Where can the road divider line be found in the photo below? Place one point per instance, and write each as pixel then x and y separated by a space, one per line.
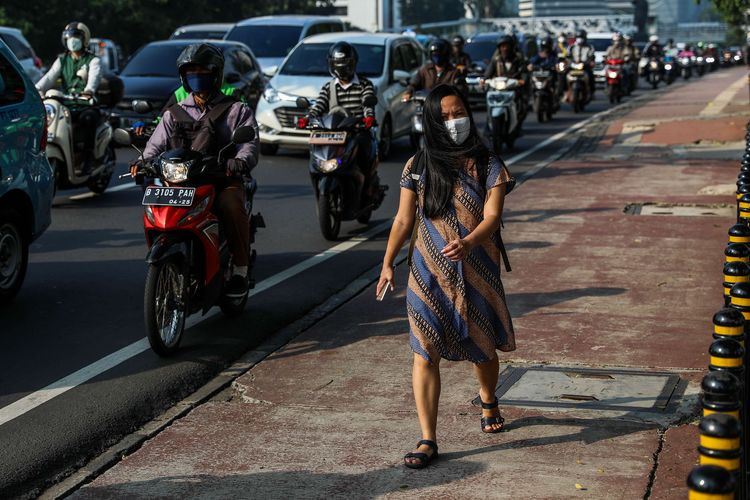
pixel 37 398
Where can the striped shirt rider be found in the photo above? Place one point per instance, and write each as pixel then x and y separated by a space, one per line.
pixel 349 96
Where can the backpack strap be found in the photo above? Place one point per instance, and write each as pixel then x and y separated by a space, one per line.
pixel 180 114
pixel 220 107
pixel 416 174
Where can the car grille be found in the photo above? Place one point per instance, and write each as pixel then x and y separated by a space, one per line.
pixel 288 116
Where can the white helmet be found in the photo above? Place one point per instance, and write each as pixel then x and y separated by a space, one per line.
pixel 76 29
pixel 653 38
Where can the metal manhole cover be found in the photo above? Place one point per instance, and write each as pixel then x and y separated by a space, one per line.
pixel 586 388
pixel 681 210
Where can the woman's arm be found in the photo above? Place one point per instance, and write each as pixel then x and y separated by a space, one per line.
pixel 493 211
pixel 401 230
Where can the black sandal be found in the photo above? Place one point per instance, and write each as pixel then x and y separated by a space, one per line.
pixel 486 421
pixel 424 458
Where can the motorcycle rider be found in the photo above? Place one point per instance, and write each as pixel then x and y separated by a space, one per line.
pixel 80 72
pixel 631 49
pixel 349 90
pixel 508 63
pixel 671 49
pixel 438 70
pixel 582 52
pixel 460 59
pixel 653 49
pixel 617 50
pixel 562 46
pixel 546 59
pixel 204 121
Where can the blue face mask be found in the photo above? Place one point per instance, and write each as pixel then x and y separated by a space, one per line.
pixel 436 59
pixel 200 82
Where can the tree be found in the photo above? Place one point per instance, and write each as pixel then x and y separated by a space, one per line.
pixel 733 11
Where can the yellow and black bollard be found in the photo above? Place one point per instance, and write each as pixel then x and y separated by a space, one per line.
pixel 737 252
pixel 740 233
pixel 730 323
pixel 734 272
pixel 744 208
pixel 721 394
pixel 710 482
pixel 720 445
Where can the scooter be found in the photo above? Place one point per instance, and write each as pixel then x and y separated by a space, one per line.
pixel 652 71
pixel 700 65
pixel 615 85
pixel 578 86
pixel 503 121
pixel 545 100
pixel 416 136
pixel 686 67
pixel 341 190
pixel 188 259
pixel 670 69
pixel 67 158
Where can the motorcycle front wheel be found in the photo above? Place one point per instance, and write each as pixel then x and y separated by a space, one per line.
pixel 165 306
pixel 577 104
pixel 329 214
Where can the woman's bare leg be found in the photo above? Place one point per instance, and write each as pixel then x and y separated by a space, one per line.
pixel 487 374
pixel 426 384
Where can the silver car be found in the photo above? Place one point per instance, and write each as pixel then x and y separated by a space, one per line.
pixel 388 60
pixel 21 48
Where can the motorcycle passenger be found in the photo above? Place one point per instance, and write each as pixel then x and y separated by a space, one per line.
pixel 631 49
pixel 653 49
pixel 617 50
pixel 562 46
pixel 204 122
pixel 80 72
pixel 438 70
pixel 349 90
pixel 460 59
pixel 507 62
pixel 582 52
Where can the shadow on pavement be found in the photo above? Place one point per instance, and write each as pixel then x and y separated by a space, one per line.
pixel 521 304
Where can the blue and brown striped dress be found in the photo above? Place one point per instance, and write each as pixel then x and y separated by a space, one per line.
pixel 457 310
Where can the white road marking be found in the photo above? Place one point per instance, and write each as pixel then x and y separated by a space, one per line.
pixel 31 401
pixel 85 196
pixel 86 373
pixel 716 106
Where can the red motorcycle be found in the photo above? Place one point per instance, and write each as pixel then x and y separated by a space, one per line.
pixel 188 259
pixel 614 72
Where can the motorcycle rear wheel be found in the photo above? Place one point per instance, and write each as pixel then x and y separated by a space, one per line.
pixel 165 306
pixel 100 183
pixel 329 214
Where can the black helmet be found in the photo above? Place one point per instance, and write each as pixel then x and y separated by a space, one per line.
pixel 458 40
pixel 342 60
pixel 546 43
pixel 205 55
pixel 440 51
pixel 581 34
pixel 506 39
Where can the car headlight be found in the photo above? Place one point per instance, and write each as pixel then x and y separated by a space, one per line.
pixel 51 113
pixel 175 172
pixel 328 166
pixel 272 95
pixel 195 210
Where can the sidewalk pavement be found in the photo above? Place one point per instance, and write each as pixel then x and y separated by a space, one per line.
pixel 331 414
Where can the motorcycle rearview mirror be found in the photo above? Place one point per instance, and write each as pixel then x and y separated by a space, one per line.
pixel 303 103
pixel 243 135
pixel 370 101
pixel 141 107
pixel 122 137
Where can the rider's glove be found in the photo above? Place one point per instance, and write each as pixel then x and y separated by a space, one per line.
pixel 302 121
pixel 236 167
pixel 369 121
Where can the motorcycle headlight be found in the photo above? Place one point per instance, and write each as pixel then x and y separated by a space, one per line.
pixel 611 74
pixel 668 67
pixel 51 113
pixel 175 172
pixel 561 66
pixel 578 65
pixel 653 64
pixel 710 60
pixel 539 84
pixel 272 95
pixel 195 210
pixel 327 166
pixel 700 59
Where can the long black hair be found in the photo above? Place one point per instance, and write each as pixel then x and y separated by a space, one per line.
pixel 444 158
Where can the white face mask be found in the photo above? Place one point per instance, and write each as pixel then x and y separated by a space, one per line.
pixel 458 129
pixel 579 41
pixel 74 44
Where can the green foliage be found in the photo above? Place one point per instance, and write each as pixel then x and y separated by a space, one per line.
pixel 430 11
pixel 733 11
pixel 132 23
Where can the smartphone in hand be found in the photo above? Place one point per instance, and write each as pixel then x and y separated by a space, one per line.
pixel 387 286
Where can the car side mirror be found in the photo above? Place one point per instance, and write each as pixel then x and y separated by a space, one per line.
pixel 141 107
pixel 232 77
pixel 370 101
pixel 122 137
pixel 243 135
pixel 401 77
pixel 270 71
pixel 303 103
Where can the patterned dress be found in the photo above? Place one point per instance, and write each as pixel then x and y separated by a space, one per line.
pixel 457 310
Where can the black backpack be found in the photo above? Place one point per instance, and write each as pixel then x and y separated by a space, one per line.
pixel 418 167
pixel 199 135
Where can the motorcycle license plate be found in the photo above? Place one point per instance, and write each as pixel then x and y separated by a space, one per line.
pixel 328 138
pixel 169 196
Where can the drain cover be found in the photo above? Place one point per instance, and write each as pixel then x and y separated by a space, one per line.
pixel 586 388
pixel 681 210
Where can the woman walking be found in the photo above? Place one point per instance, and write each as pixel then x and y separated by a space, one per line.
pixel 455 299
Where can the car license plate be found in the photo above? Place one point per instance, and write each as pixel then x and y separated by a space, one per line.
pixel 331 138
pixel 169 196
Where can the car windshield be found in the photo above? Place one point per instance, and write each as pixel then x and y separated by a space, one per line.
pixel 481 50
pixel 267 41
pixel 600 44
pixel 154 60
pixel 200 35
pixel 311 59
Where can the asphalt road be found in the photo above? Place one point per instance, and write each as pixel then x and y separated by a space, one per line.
pixel 82 300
